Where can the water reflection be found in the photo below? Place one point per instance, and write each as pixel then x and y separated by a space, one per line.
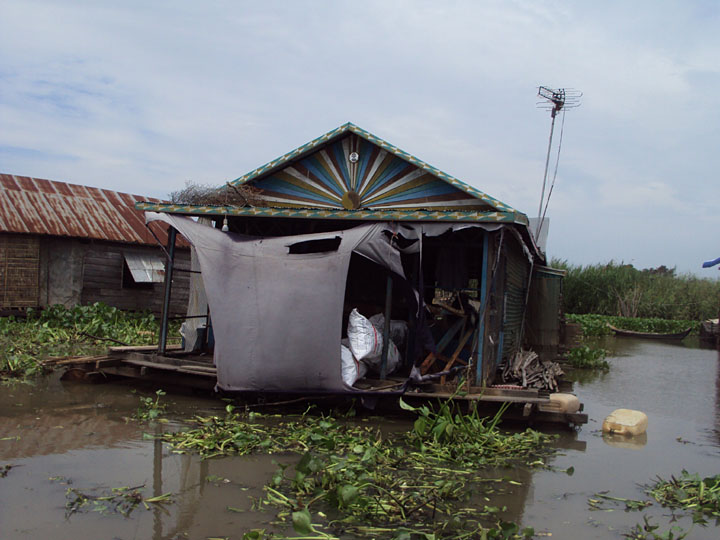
pixel 78 433
pixel 623 441
pixel 678 386
pixel 585 376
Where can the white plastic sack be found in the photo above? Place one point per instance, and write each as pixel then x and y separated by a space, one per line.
pixel 398 329
pixel 352 370
pixel 393 360
pixel 365 340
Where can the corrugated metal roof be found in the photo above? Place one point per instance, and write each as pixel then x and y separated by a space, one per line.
pixel 45 207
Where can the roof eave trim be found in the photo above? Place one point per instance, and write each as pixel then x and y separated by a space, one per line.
pixel 318 213
pixel 299 152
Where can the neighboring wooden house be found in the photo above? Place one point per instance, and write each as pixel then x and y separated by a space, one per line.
pixel 280 289
pixel 69 244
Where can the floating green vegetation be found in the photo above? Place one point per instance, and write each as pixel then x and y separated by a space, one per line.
pixel 419 484
pixel 601 500
pixel 586 357
pixel 597 325
pixel 448 435
pixel 150 408
pixel 689 492
pixel 58 331
pixel 648 531
pixel 242 434
pixel 118 500
pixel 699 496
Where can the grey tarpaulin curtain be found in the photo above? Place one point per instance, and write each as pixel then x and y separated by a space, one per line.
pixel 197 300
pixel 277 317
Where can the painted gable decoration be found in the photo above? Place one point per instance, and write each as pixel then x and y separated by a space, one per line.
pixel 349 168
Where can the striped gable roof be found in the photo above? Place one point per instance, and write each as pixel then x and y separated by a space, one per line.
pixel 349 168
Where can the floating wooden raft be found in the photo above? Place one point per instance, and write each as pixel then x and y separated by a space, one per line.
pixel 143 363
pixel 188 370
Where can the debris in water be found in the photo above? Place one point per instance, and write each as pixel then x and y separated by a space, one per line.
pixel 122 500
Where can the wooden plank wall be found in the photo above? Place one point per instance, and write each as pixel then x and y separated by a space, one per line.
pixel 19 270
pixel 103 279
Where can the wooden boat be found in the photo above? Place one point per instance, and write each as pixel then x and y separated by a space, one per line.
pixel 650 335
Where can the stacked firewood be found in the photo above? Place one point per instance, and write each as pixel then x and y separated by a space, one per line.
pixel 527 370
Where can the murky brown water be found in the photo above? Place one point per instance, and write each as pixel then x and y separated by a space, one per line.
pixel 54 433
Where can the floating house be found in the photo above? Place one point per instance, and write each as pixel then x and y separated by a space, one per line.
pixel 68 244
pixel 348 228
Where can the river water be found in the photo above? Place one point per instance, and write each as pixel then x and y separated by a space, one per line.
pixel 58 435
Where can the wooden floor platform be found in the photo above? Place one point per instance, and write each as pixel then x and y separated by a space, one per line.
pixel 196 371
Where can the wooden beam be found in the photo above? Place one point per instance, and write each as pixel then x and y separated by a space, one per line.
pixel 483 302
pixel 457 352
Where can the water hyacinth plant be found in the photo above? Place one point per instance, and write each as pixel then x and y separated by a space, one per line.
pixel 649 531
pixel 597 325
pixel 417 484
pixel 151 408
pixel 57 331
pixel 701 496
pixel 586 357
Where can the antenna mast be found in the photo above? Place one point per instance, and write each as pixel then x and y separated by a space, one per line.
pixel 554 101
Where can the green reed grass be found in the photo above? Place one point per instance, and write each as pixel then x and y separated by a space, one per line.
pixel 621 289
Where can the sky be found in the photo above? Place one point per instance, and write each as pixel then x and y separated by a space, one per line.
pixel 143 97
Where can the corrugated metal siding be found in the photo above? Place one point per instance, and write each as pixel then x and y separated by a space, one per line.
pixel 494 317
pixel 543 316
pixel 515 282
pixel 44 207
pixel 146 268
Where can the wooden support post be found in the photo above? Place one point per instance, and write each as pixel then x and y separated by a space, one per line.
pixel 483 300
pixel 169 263
pixel 386 329
pixel 501 337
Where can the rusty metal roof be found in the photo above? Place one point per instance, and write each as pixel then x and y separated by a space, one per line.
pixel 35 206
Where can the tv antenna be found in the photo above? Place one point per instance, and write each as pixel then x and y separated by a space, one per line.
pixel 554 100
